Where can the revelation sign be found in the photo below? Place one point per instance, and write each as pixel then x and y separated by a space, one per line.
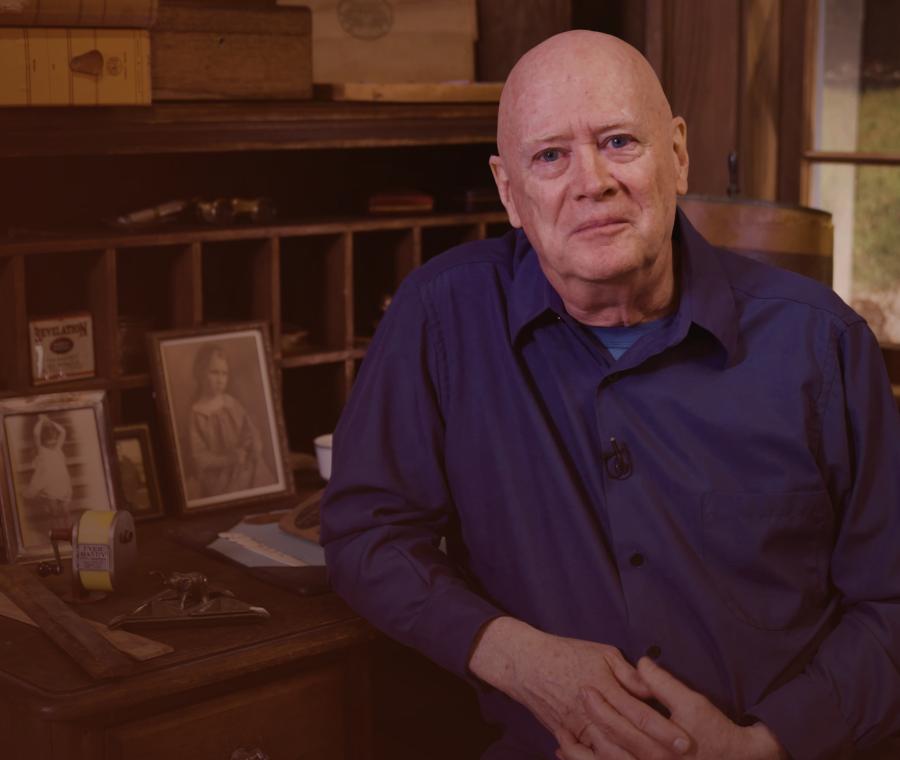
pixel 62 348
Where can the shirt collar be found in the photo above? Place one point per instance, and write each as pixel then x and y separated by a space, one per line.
pixel 705 296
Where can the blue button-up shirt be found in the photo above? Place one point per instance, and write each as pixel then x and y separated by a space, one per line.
pixel 726 494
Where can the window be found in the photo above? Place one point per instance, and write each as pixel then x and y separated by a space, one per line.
pixel 854 158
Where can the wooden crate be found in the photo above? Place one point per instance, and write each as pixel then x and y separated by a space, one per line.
pixel 222 51
pixel 392 40
pixel 48 66
pixel 105 13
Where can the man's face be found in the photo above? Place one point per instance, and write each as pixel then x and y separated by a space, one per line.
pixel 591 164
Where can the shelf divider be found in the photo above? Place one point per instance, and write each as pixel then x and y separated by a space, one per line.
pixel 339 289
pixel 187 287
pixel 103 297
pixel 14 325
pixel 266 297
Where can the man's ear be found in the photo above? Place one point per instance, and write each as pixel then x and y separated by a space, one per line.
pixel 680 154
pixel 501 178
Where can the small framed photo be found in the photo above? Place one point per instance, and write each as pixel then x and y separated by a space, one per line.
pixel 137 472
pixel 57 460
pixel 217 395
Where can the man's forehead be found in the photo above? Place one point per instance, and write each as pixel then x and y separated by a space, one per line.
pixel 566 111
pixel 578 77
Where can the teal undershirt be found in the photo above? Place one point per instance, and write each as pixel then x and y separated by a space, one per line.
pixel 619 339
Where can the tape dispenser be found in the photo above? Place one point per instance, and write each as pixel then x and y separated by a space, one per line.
pixel 104 551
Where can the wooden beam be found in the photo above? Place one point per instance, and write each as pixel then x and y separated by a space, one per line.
pixel 794 61
pixel 759 100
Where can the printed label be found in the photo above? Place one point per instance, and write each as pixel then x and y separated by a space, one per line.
pixel 93 557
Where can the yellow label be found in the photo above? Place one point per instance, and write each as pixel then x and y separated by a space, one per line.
pixel 94 536
pixel 94 526
pixel 56 66
pixel 85 87
pixel 95 580
pixel 34 66
pixel 13 67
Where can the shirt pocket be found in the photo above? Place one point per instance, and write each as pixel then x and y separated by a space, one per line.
pixel 768 553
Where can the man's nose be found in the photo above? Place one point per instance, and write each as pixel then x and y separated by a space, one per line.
pixel 594 179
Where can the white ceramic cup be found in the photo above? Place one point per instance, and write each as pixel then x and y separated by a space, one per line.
pixel 323 454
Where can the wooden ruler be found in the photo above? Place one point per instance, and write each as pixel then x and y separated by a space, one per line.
pixel 139 647
pixel 68 630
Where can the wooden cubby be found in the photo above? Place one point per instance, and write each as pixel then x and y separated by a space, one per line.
pixel 319 275
pixel 325 280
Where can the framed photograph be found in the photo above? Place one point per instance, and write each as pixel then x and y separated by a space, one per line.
pixel 217 395
pixel 57 460
pixel 137 472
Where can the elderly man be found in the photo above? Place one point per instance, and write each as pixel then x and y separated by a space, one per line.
pixel 667 474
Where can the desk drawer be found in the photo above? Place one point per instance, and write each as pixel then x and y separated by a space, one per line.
pixel 299 717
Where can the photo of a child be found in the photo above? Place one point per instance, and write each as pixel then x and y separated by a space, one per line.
pixel 49 488
pixel 222 415
pixel 225 444
pixel 56 458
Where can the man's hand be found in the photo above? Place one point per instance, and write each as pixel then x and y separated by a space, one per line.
pixel 546 674
pixel 713 735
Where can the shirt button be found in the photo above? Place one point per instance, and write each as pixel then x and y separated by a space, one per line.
pixel 636 559
pixel 653 652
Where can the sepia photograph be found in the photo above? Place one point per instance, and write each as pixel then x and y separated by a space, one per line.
pixel 56 459
pixel 137 472
pixel 215 391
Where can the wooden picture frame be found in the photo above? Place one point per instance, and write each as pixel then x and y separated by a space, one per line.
pixel 221 413
pixel 137 472
pixel 57 459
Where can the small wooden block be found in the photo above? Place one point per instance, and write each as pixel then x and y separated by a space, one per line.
pixel 225 50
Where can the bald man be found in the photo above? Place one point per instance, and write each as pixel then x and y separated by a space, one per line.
pixel 666 474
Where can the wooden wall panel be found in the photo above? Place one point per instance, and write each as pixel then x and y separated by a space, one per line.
pixel 701 76
pixel 795 72
pixel 759 98
pixel 508 28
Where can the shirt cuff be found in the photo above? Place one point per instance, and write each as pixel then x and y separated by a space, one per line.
pixel 447 628
pixel 805 718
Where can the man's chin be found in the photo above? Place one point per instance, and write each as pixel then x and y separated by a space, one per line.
pixel 606 265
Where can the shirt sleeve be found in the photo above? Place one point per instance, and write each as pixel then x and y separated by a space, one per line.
pixel 387 504
pixel 849 694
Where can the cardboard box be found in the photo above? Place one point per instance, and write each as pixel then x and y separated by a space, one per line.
pixel 220 51
pixel 380 41
pixel 92 67
pixel 108 13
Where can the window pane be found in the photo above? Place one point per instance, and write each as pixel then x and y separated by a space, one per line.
pixel 876 249
pixel 857 103
pixel 865 204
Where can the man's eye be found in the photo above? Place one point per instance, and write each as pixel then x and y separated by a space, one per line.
pixel 620 141
pixel 549 155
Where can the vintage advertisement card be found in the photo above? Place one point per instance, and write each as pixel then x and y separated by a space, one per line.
pixel 62 348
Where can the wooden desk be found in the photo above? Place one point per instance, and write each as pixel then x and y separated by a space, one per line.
pixel 313 683
pixel 296 686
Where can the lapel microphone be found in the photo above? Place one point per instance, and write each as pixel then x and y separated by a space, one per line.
pixel 618 461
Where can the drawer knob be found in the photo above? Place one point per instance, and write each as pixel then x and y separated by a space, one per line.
pixel 249 753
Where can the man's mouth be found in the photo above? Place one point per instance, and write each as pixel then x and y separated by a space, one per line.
pixel 604 226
